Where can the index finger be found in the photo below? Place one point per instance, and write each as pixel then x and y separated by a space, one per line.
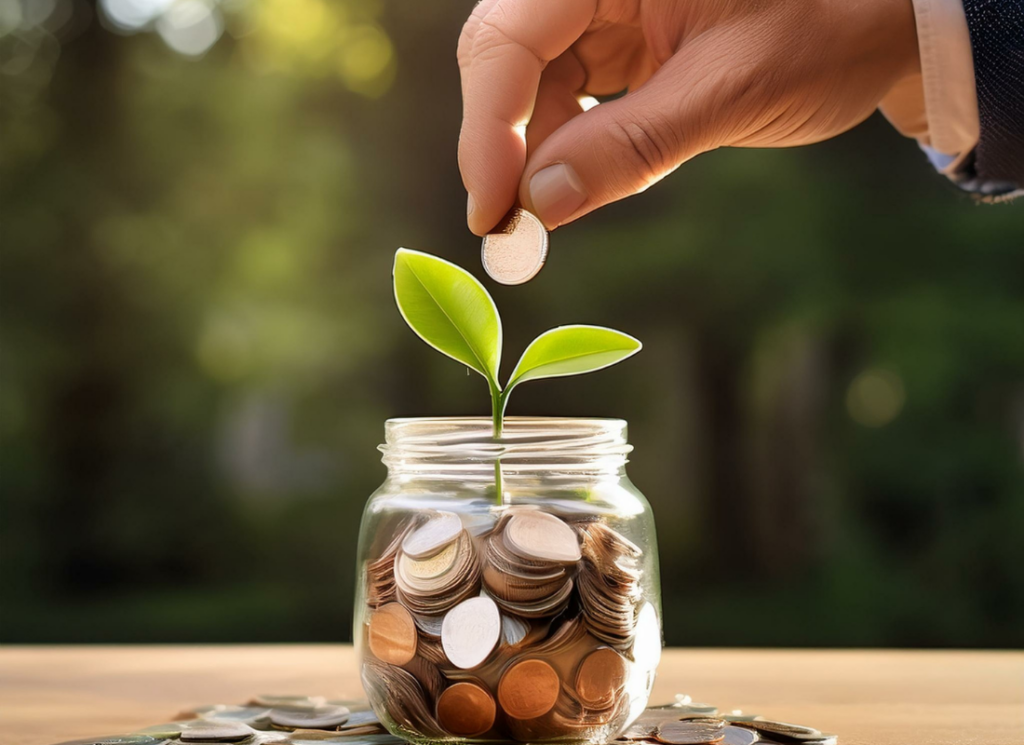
pixel 511 44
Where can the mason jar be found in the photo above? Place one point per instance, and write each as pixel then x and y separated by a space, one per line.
pixel 507 589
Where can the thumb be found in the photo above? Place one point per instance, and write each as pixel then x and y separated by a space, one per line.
pixel 622 147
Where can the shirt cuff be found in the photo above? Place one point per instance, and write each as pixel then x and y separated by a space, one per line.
pixel 940 107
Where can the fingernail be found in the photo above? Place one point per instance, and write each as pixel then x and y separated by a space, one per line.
pixel 556 193
pixel 470 206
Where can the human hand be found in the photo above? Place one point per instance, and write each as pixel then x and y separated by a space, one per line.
pixel 701 74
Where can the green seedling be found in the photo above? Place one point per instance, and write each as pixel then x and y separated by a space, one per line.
pixel 451 311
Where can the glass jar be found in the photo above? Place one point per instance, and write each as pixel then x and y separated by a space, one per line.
pixel 507 589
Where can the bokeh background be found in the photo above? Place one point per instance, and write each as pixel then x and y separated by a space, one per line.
pixel 200 205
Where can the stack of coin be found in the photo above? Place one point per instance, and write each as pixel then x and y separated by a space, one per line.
pixel 436 567
pixel 380 575
pixel 609 582
pixel 531 560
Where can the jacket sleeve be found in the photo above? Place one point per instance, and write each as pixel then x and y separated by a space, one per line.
pixel 994 170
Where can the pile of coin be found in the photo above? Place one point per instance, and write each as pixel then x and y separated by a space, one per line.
pixel 313 720
pixel 526 618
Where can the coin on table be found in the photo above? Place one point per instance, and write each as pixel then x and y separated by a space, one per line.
pixel 739 736
pixel 466 709
pixel 470 631
pixel 392 634
pixel 692 731
pixel 272 701
pixel 601 677
pixel 433 535
pixel 790 731
pixel 322 717
pixel 516 250
pixel 117 740
pixel 254 716
pixel 528 689
pixel 217 732
pixel 542 537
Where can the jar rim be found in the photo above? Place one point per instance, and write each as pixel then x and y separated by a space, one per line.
pixel 527 442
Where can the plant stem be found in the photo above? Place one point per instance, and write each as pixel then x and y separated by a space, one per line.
pixel 497 411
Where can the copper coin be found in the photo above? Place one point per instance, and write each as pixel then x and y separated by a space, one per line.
pixel 600 678
pixel 466 709
pixel 516 250
pixel 392 634
pixel 528 689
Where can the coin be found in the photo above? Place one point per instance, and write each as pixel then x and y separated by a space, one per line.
pixel 432 536
pixel 271 701
pixel 691 731
pixel 392 634
pixel 739 736
pixel 470 631
pixel 217 732
pixel 254 716
pixel 117 740
pixel 791 731
pixel 466 709
pixel 540 536
pixel 528 689
pixel 516 250
pixel 401 696
pixel 600 678
pixel 322 717
pixel 647 647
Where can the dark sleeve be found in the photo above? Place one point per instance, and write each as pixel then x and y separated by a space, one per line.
pixel 996 168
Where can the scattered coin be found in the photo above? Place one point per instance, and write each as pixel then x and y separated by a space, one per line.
pixel 601 677
pixel 739 736
pixel 210 731
pixel 466 709
pixel 117 740
pixel 470 631
pixel 252 715
pixel 791 731
pixel 322 717
pixel 271 702
pixel 528 689
pixel 517 249
pixel 392 634
pixel 538 706
pixel 692 731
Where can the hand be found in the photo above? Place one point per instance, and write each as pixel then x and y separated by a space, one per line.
pixel 701 74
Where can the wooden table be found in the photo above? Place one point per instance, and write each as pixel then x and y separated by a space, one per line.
pixel 51 694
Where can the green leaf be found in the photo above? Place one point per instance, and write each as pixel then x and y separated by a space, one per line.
pixel 450 310
pixel 572 350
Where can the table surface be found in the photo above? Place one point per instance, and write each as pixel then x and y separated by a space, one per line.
pixel 868 697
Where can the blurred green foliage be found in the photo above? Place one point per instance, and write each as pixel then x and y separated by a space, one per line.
pixel 200 346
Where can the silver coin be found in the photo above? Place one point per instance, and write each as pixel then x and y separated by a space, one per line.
pixel 254 716
pixel 322 717
pixel 432 536
pixel 470 631
pixel 691 731
pixel 213 731
pixel 118 740
pixel 739 736
pixel 276 702
pixel 517 249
